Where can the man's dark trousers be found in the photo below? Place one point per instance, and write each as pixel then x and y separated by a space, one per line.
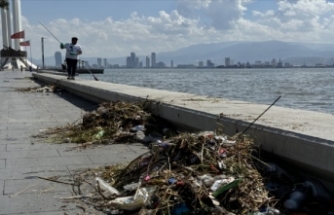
pixel 71 66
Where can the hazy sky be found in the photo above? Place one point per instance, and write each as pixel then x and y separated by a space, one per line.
pixel 111 28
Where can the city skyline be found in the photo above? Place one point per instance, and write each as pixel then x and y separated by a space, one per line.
pixel 170 25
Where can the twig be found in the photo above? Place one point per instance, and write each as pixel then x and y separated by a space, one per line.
pixel 24 190
pixel 99 190
pixel 50 179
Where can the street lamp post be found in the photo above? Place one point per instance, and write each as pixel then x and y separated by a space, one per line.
pixel 43 51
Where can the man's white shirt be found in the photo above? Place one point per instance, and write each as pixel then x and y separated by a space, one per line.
pixel 72 48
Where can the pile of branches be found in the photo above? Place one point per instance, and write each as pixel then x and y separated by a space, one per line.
pixel 113 122
pixel 190 173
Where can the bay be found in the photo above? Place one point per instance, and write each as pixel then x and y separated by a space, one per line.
pixel 300 88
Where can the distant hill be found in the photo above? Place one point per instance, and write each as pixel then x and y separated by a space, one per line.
pixel 295 53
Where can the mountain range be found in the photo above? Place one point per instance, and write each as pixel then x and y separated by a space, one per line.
pixel 293 53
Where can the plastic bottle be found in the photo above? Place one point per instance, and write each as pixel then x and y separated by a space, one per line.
pixel 297 198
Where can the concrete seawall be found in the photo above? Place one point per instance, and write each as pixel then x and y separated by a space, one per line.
pixel 303 138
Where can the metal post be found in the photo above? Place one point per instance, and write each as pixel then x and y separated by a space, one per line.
pixel 43 52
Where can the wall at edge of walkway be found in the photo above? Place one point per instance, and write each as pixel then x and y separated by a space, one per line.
pixel 310 154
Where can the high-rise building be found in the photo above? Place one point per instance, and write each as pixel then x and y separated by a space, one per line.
pixel 99 62
pixel 227 62
pixel 136 62
pixel 133 59
pixel 105 63
pixel 171 64
pixel 147 62
pixel 58 59
pixel 153 59
pixel 128 62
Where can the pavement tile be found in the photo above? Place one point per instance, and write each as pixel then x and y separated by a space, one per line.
pixel 33 186
pixel 29 154
pixel 37 146
pixel 34 203
pixel 28 172
pixel 2 163
pixel 109 160
pixel 39 162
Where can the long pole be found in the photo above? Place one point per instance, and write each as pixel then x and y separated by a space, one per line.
pixel 43 52
pixel 30 55
pixel 260 115
pixel 49 31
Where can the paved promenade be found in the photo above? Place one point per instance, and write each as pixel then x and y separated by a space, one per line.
pixel 23 114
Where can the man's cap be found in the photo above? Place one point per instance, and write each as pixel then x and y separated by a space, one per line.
pixel 74 38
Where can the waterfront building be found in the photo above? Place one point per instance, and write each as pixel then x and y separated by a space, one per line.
pixel 99 62
pixel 200 64
pixel 147 62
pixel 133 59
pixel 58 59
pixel 153 59
pixel 227 62
pixel 185 66
pixel 209 64
pixel 273 62
pixel 160 65
pixel 105 63
pixel 136 65
pixel 128 62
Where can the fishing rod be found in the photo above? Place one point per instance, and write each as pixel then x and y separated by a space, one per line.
pixel 95 78
pixel 92 74
pixel 260 115
pixel 49 31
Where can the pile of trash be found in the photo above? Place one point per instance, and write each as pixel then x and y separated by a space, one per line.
pixel 202 173
pixel 114 122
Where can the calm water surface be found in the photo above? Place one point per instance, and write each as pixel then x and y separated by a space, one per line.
pixel 310 89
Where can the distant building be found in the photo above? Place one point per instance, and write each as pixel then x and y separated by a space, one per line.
pixel 227 62
pixel 105 63
pixel 200 64
pixel 160 65
pixel 273 62
pixel 99 62
pixel 140 64
pixel 258 63
pixel 136 62
pixel 184 66
pixel 171 64
pixel 133 59
pixel 153 59
pixel 209 64
pixel 279 64
pixel 147 62
pixel 58 59
pixel 128 62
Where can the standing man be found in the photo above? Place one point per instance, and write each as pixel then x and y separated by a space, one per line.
pixel 72 51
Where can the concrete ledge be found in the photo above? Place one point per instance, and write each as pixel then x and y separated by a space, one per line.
pixel 303 138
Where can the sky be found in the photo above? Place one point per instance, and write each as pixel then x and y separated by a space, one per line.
pixel 114 28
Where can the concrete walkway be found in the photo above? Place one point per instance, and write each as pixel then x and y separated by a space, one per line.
pixel 23 114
